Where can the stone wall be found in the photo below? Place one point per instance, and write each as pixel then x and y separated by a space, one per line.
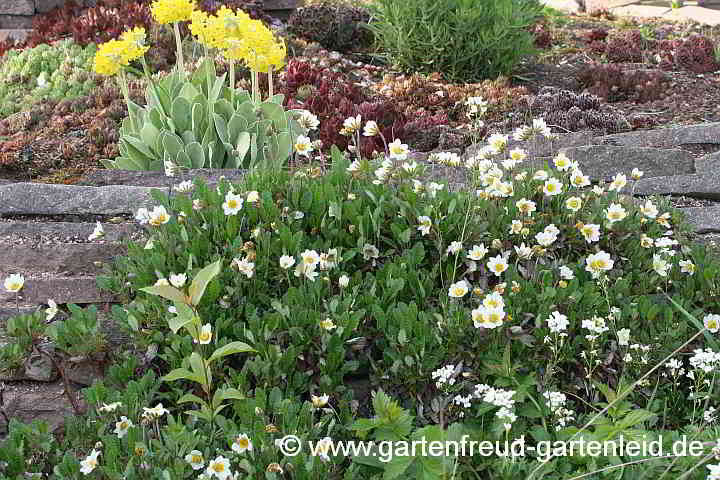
pixel 18 14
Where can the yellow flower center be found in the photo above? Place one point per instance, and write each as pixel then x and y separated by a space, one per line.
pixel 232 203
pixel 243 442
pixel 196 459
pixel 598 264
pixel 218 467
pixel 205 336
pixel 499 267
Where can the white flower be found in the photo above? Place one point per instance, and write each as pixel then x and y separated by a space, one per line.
pixel 615 213
pixel 545 238
pixel 205 335
pixel 497 142
pixel 425 223
pixel 354 166
pixel 541 175
pixel 517 154
pixel 220 468
pixel 487 317
pixel 319 401
pixel 557 322
pixel 158 216
pixel 170 168
pixel 636 174
pixel 252 197
pixel 623 336
pixel 687 266
pixel 298 215
pixel 233 203
pixel 184 187
pixel 573 203
pixel 646 242
pixel 303 146
pixel 308 121
pixel 242 444
pixel 162 282
pixel 398 150
pixel 578 180
pixel 598 190
pixel 370 251
pixel 595 325
pixel 155 412
pixel 516 227
pixel 649 209
pixel 322 448
pixel 458 289
pixel 195 459
pixel 660 265
pixel 523 251
pixel 122 427
pixel 591 232
pixel 142 215
pixel 494 300
pixel 51 311
pixel 433 187
pixel 90 462
pixel 310 258
pixel 343 281
pixel 371 129
pixel 14 283
pixel 244 266
pixel 497 265
pixel 352 124
pixel 286 261
pixel 477 252
pixel 598 263
pixel 476 105
pixel 454 247
pixel 618 183
pixel 178 280
pixel 109 408
pixel 526 206
pixel 328 324
pixel 712 322
pixel 562 162
pixel 566 273
pixel 552 187
pixel 97 232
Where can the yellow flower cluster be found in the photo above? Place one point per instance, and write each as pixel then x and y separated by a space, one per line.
pixel 113 55
pixel 240 37
pixel 170 11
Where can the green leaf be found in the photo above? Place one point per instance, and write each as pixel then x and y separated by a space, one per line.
pixel 182 374
pixel 190 398
pixel 197 156
pixel 708 336
pixel 229 349
pixel 166 291
pixel 172 144
pixel 177 322
pixel 201 280
pixel 221 127
pixel 181 113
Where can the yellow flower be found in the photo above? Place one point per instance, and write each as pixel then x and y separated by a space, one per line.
pixel 135 43
pixel 110 56
pixel 169 11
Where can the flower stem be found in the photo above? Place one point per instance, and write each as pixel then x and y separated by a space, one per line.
pixel 232 83
pixel 270 82
pixel 178 44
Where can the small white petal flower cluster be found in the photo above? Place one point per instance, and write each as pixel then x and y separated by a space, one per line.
pixel 705 360
pixel 558 323
pixel 499 398
pixel 597 327
pixel 556 402
pixel 444 376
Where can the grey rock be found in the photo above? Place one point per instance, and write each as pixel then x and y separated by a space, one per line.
pixel 46 402
pixel 17 7
pixel 703 219
pixel 15 22
pixel 697 186
pixel 665 137
pixel 8 311
pixel 61 289
pixel 44 6
pixel 157 179
pixel 708 164
pixel 46 199
pixel 66 231
pixel 84 372
pixel 602 162
pixel 68 259
pixel 40 368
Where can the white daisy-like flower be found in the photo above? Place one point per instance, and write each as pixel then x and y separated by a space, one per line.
pixel 637 174
pixel 89 463
pixel 220 468
pixel 454 248
pixel 615 213
pixel 425 224
pixel 526 206
pixel 618 183
pixel 242 444
pixel 286 261
pixel 497 265
pixel 552 187
pixel 566 273
pixel 398 150
pixel 319 401
pixel 195 459
pixel 557 322
pixel 233 203
pixel 545 239
pixel 308 121
pixel 649 209
pixel 598 263
pixel 205 335
pixel 371 129
pixel 712 322
pixel 178 280
pixel 303 146
pixel 524 252
pixel 51 311
pixel 244 266
pixel 352 124
pixel 253 197
pixel 477 252
pixel 97 232
pixel 458 289
pixel 562 162
pixel 158 216
pixel 578 180
pixel 14 283
pixel 687 266
pixel 573 204
pixel 122 427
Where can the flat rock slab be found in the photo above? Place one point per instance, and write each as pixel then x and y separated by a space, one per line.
pixel 708 164
pixel 46 199
pixel 65 231
pixel 37 401
pixel 602 162
pixel 665 137
pixel 101 178
pixel 697 186
pixel 703 219
pixel 61 289
pixel 66 259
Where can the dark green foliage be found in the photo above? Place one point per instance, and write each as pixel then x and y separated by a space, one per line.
pixel 467 40
pixel 336 27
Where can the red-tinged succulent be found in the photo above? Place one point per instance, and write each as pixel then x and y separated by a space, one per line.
pixel 618 82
